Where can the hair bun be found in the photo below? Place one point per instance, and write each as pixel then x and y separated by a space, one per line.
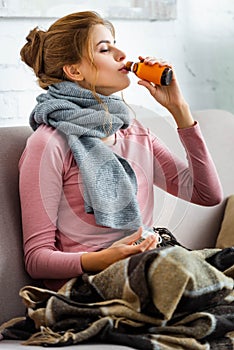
pixel 32 52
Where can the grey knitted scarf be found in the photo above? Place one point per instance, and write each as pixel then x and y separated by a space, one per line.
pixel 109 182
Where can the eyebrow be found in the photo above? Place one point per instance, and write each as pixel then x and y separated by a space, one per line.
pixel 105 42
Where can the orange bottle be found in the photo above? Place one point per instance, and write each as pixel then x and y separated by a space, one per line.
pixel 159 75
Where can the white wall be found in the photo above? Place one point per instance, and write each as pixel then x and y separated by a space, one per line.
pixel 199 43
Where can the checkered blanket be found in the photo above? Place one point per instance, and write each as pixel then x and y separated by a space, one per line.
pixel 162 299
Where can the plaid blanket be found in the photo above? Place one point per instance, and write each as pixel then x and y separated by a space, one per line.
pixel 161 299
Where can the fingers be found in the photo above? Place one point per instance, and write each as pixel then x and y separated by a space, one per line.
pixel 149 243
pixel 128 240
pixel 153 244
pixel 135 236
pixel 153 60
pixel 152 88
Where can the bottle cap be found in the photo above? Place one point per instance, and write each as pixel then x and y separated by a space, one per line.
pixel 166 76
pixel 128 65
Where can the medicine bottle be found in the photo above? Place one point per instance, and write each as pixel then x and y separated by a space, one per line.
pixel 159 75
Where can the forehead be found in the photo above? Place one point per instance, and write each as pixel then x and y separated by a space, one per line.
pixel 101 33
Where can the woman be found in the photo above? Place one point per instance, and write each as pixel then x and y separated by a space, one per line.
pixel 85 195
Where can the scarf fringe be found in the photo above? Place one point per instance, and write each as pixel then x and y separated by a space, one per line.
pixel 46 335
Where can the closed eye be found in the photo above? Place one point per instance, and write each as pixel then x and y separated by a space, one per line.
pixel 107 45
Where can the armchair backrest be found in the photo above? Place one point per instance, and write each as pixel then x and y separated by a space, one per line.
pixel 195 226
pixel 12 272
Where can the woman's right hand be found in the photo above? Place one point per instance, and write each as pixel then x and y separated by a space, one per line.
pixel 98 261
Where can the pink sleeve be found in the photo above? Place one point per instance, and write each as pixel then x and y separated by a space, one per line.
pixel 197 181
pixel 41 176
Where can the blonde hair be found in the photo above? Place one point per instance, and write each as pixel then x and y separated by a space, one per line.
pixel 66 42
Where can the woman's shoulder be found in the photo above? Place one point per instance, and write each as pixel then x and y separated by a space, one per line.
pixel 45 143
pixel 45 146
pixel 47 136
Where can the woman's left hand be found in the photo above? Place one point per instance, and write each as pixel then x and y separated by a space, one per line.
pixel 166 95
pixel 169 96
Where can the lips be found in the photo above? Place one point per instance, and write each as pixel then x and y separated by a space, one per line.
pixel 123 68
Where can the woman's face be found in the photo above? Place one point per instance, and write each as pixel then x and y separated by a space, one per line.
pixel 111 76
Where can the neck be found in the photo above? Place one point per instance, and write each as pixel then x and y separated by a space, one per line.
pixel 110 140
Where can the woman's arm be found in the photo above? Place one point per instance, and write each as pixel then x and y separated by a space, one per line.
pixel 40 184
pixel 98 261
pixel 198 182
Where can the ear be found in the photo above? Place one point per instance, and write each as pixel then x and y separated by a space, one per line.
pixel 72 72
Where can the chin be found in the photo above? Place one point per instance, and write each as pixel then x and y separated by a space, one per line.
pixel 124 86
pixel 112 90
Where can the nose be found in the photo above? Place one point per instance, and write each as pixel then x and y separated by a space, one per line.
pixel 119 55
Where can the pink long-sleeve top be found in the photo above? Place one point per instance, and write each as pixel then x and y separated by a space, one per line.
pixel 56 228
